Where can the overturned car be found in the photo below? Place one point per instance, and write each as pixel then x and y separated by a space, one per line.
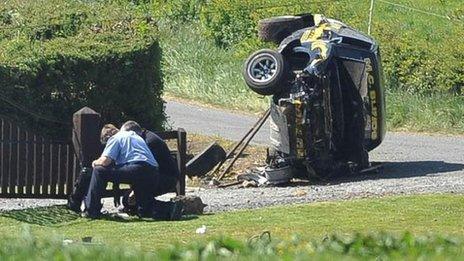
pixel 328 98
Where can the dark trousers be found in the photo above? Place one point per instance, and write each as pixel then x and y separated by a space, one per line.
pixel 81 186
pixel 141 176
pixel 165 184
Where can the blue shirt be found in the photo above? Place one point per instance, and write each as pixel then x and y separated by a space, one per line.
pixel 126 147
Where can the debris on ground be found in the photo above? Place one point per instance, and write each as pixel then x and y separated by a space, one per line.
pixel 201 230
pixel 241 146
pixel 249 184
pixel 300 193
pixel 193 205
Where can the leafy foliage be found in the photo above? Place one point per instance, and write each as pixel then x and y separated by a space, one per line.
pixel 375 246
pixel 58 56
pixel 176 12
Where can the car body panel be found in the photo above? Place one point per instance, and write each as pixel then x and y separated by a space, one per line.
pixel 354 46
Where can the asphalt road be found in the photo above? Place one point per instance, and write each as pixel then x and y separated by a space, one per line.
pixel 208 121
pixel 413 164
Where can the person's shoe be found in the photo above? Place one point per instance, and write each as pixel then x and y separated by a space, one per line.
pixel 88 215
pixel 73 205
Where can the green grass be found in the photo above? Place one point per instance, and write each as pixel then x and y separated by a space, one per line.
pixel 382 246
pixel 196 69
pixel 436 113
pixel 366 228
pixel 421 215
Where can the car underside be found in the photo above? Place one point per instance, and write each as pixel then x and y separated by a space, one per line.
pixel 328 99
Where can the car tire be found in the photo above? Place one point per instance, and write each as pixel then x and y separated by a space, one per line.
pixel 205 161
pixel 275 29
pixel 266 72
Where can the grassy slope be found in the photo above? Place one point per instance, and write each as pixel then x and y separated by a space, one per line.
pixel 196 69
pixel 437 214
pixel 438 113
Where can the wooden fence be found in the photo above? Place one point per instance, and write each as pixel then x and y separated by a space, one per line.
pixel 32 166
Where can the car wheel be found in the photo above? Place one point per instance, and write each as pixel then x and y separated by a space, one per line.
pixel 266 72
pixel 205 161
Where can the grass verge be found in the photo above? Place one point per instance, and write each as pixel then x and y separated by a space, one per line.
pixel 420 215
pixel 437 113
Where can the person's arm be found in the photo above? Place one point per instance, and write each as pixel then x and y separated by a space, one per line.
pixel 109 155
pixel 102 161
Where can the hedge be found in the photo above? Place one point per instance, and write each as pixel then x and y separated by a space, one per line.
pixel 58 56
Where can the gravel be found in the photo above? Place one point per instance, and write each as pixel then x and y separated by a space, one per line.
pixel 412 164
pixel 18 203
pixel 219 200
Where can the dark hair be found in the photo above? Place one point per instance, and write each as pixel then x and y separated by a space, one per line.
pixel 108 131
pixel 132 126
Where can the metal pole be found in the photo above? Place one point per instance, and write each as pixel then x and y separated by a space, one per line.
pixel 240 142
pixel 249 138
pixel 371 12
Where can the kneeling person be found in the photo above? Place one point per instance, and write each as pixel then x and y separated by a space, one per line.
pixel 125 159
pixel 168 171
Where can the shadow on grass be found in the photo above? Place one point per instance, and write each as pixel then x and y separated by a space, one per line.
pixel 55 215
pixel 43 216
pixel 135 219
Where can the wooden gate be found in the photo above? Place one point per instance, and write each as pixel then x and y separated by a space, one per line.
pixel 32 166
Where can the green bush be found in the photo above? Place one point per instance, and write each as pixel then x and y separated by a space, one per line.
pixel 228 22
pixel 58 56
pixel 175 12
pixel 366 247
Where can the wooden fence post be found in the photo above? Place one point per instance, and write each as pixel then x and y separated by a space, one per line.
pixel 86 135
pixel 182 151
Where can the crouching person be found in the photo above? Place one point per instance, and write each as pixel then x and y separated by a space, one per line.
pixel 168 171
pixel 125 159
